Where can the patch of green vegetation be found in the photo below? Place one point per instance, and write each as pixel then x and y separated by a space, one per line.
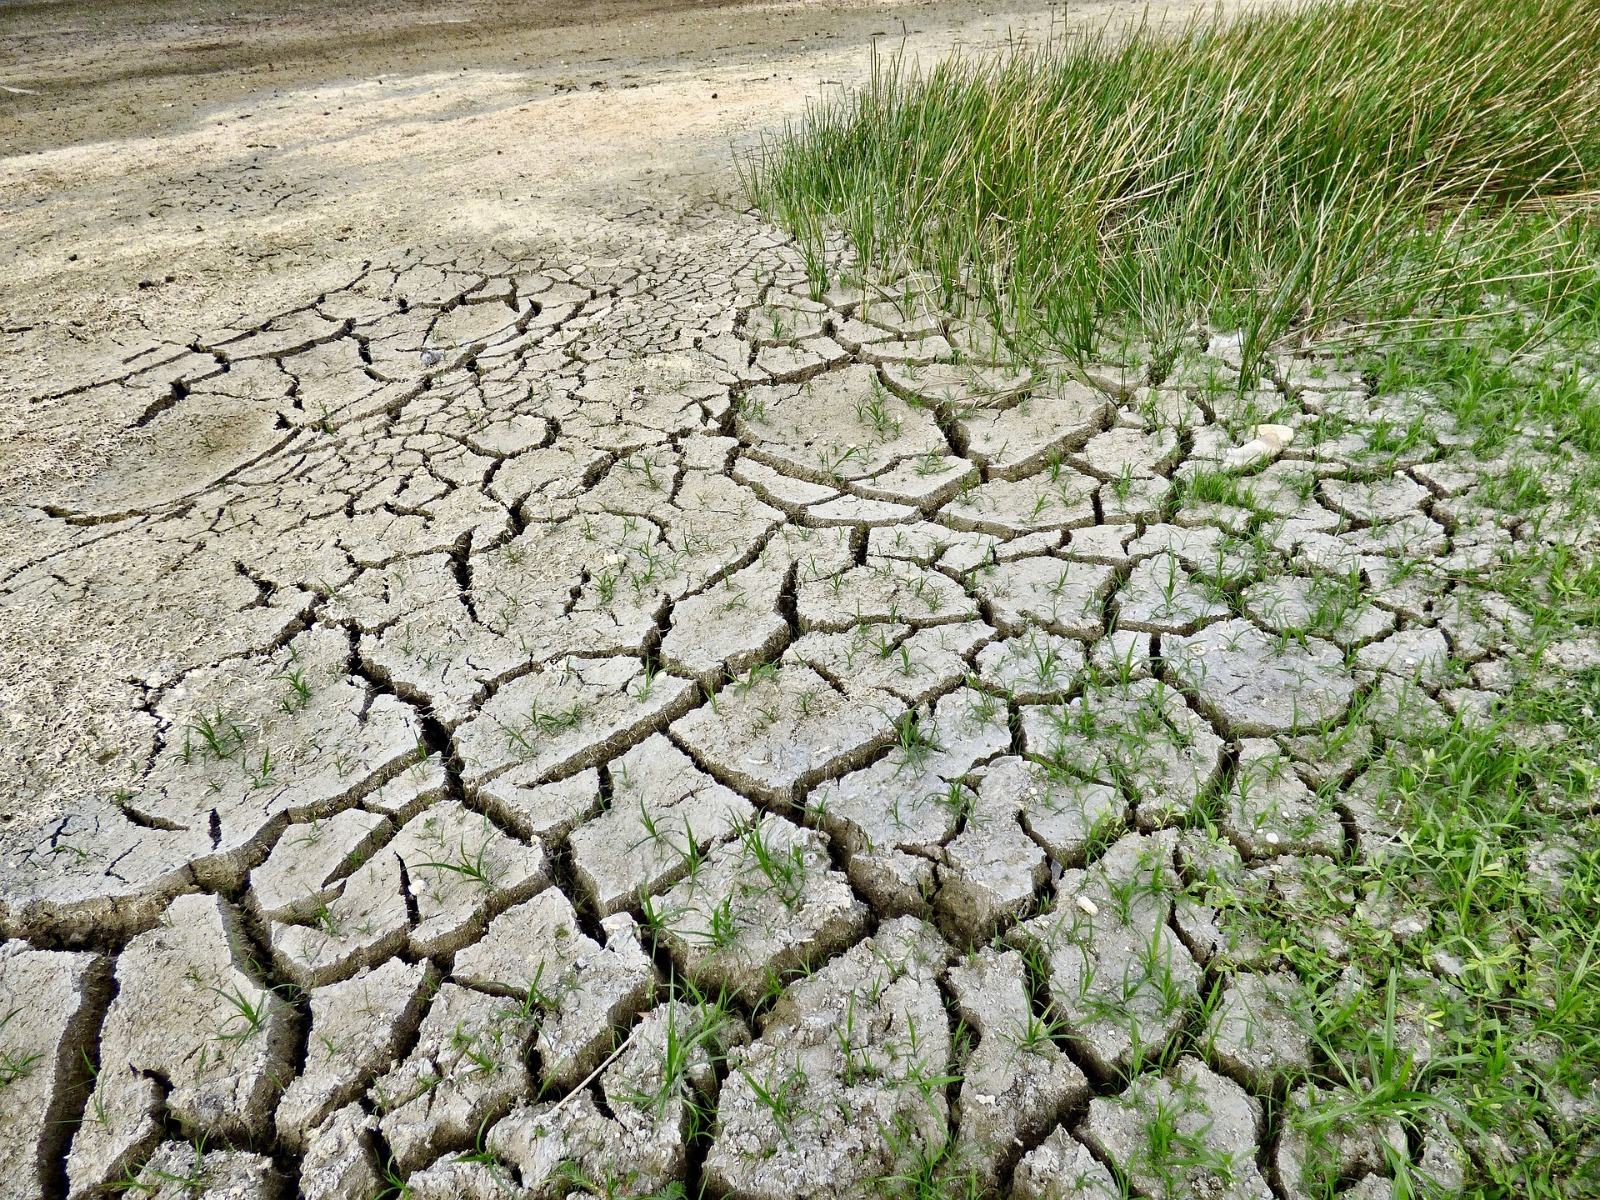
pixel 1464 984
pixel 1488 380
pixel 1371 161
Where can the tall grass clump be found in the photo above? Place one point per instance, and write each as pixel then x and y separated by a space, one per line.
pixel 1276 172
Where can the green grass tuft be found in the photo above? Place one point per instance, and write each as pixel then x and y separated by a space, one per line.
pixel 1372 161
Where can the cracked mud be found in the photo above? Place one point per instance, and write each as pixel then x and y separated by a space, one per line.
pixel 593 722
pixel 666 633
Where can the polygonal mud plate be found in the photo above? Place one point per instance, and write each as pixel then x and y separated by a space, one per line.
pixel 776 729
pixel 568 715
pixel 759 907
pixel 839 1093
pixel 1255 686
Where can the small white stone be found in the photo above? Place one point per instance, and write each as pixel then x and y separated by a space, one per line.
pixel 1088 906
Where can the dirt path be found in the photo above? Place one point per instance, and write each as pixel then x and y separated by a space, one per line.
pixel 96 70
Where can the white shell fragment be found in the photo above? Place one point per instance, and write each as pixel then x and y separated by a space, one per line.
pixel 1268 442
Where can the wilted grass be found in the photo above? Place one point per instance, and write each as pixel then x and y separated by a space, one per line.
pixel 1277 172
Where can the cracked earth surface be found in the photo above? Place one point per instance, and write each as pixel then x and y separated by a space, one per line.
pixel 511 654
pixel 575 628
